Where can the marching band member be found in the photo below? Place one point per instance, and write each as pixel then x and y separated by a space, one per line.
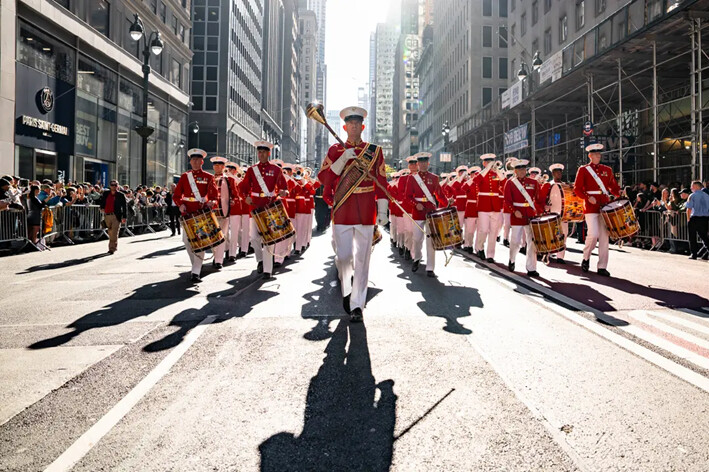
pixel 407 225
pixel 596 184
pixel 553 196
pixel 302 211
pixel 314 186
pixel 401 224
pixel 522 194
pixel 195 190
pixel 236 246
pixel 283 249
pixel 471 210
pixel 394 211
pixel 459 194
pixel 262 183
pixel 489 206
pixel 226 188
pixel 356 214
pixel 423 191
pixel 506 209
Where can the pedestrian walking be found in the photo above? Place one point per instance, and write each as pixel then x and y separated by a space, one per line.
pixel 698 218
pixel 113 205
pixel 172 211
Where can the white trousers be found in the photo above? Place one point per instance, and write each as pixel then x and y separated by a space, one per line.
pixel 245 236
pixel 565 230
pixel 516 235
pixel 400 230
pixel 596 233
pixel 393 221
pixel 416 253
pixel 311 216
pixel 196 258
pixel 260 251
pixel 219 250
pixel 408 234
pixel 353 249
pixel 461 221
pixel 301 230
pixel 233 235
pixel 470 226
pixel 507 217
pixel 488 226
pixel 283 249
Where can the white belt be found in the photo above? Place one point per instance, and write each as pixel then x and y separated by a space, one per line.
pixel 191 199
pixel 488 194
pixel 262 195
pixel 472 201
pixel 302 198
pixel 594 192
pixel 422 200
pixel 520 204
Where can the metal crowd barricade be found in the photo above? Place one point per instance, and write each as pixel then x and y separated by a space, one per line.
pixel 83 223
pixel 13 229
pixel 651 224
pixel 49 234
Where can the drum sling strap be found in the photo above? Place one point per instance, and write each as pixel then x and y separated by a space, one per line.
pixel 598 180
pixel 369 152
pixel 225 180
pixel 424 188
pixel 261 182
pixel 193 186
pixel 523 191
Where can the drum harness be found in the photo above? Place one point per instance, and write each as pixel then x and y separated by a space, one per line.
pixel 266 192
pixel 430 198
pixel 530 202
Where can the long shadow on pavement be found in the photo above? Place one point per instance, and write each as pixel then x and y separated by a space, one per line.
pixel 162 252
pixel 63 264
pixel 346 427
pixel 449 302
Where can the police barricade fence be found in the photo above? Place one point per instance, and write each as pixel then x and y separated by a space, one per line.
pixel 13 229
pixel 651 227
pixel 145 218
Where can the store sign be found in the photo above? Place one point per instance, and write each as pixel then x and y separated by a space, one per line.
pixel 46 99
pixel 85 137
pixel 516 138
pixel 512 96
pixel 445 157
pixel 551 68
pixel 44 125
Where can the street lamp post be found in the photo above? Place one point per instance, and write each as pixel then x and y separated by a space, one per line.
pixel 524 74
pixel 194 129
pixel 445 131
pixel 154 45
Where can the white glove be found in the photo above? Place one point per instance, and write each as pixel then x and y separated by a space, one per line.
pixel 339 165
pixel 382 206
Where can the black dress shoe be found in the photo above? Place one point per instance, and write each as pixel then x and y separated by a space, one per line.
pixel 259 268
pixel 490 259
pixel 532 273
pixel 356 316
pixel 346 304
pixel 585 264
pixel 296 252
pixel 523 251
pixel 415 267
pixel 226 255
pixel 693 257
pixel 505 243
pixel 195 278
pixel 241 255
pixel 604 273
pixel 251 250
pixel 497 239
pixel 401 251
pixel 218 266
pixel 511 266
pixel 266 276
pixel 407 256
pixel 469 250
pixel 232 259
pixel 430 273
pixel 481 254
pixel 277 264
pixel 559 260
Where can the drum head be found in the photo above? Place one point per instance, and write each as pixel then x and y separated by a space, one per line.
pixel 544 218
pixel 443 211
pixel 614 205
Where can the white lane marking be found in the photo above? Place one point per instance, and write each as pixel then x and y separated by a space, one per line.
pixel 667 345
pixel 700 328
pixel 90 438
pixel 688 375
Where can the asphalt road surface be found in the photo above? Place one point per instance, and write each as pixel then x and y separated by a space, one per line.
pixel 118 363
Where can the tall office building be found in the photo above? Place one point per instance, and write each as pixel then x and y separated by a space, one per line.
pixel 363 102
pixel 226 77
pixel 72 91
pixel 320 9
pixel 308 74
pixel 386 37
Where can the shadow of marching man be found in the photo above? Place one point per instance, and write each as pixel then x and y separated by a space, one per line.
pixel 347 425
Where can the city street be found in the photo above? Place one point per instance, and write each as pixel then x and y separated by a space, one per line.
pixel 118 363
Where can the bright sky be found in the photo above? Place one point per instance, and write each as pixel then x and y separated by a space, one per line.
pixel 349 24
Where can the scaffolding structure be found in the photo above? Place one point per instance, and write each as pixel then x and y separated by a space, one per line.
pixel 641 78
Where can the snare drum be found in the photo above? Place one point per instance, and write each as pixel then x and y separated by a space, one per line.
pixel 376 236
pixel 547 234
pixel 620 219
pixel 273 223
pixel 202 230
pixel 572 205
pixel 444 228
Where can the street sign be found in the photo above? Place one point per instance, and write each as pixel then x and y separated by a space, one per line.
pixel 445 157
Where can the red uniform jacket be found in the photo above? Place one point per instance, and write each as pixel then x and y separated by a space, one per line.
pixel 471 205
pixel 360 208
pixel 461 198
pixel 314 186
pixel 401 195
pixel 447 189
pixel 544 192
pixel 489 191
pixel 205 185
pixel 415 195
pixel 393 188
pixel 241 203
pixel 586 186
pixel 227 200
pixel 301 197
pixel 515 199
pixel 273 178
pixel 505 208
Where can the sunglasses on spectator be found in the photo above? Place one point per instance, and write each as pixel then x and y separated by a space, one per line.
pixel 114 185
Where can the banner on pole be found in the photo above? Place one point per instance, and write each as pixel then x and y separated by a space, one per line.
pixel 516 138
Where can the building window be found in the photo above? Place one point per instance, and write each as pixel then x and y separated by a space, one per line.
pixel 487 36
pixel 176 73
pixel 181 32
pixel 500 91
pixel 163 12
pixel 513 29
pixel 502 67
pixel 487 68
pixel 513 63
pixel 154 6
pixel 487 96
pixel 600 6
pixel 547 6
pixel 99 16
pixel 535 12
pixel 580 14
pixel 487 7
pixel 563 29
pixel 547 42
pixel 502 35
pixel 513 5
pixel 502 6
pixel 523 24
pixel 174 24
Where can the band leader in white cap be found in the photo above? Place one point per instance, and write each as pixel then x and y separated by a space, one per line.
pixel 554 197
pixel 362 205
pixel 489 206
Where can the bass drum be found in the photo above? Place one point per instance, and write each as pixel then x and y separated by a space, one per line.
pixel 444 228
pixel 202 230
pixel 572 205
pixel 620 219
pixel 273 223
pixel 547 234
